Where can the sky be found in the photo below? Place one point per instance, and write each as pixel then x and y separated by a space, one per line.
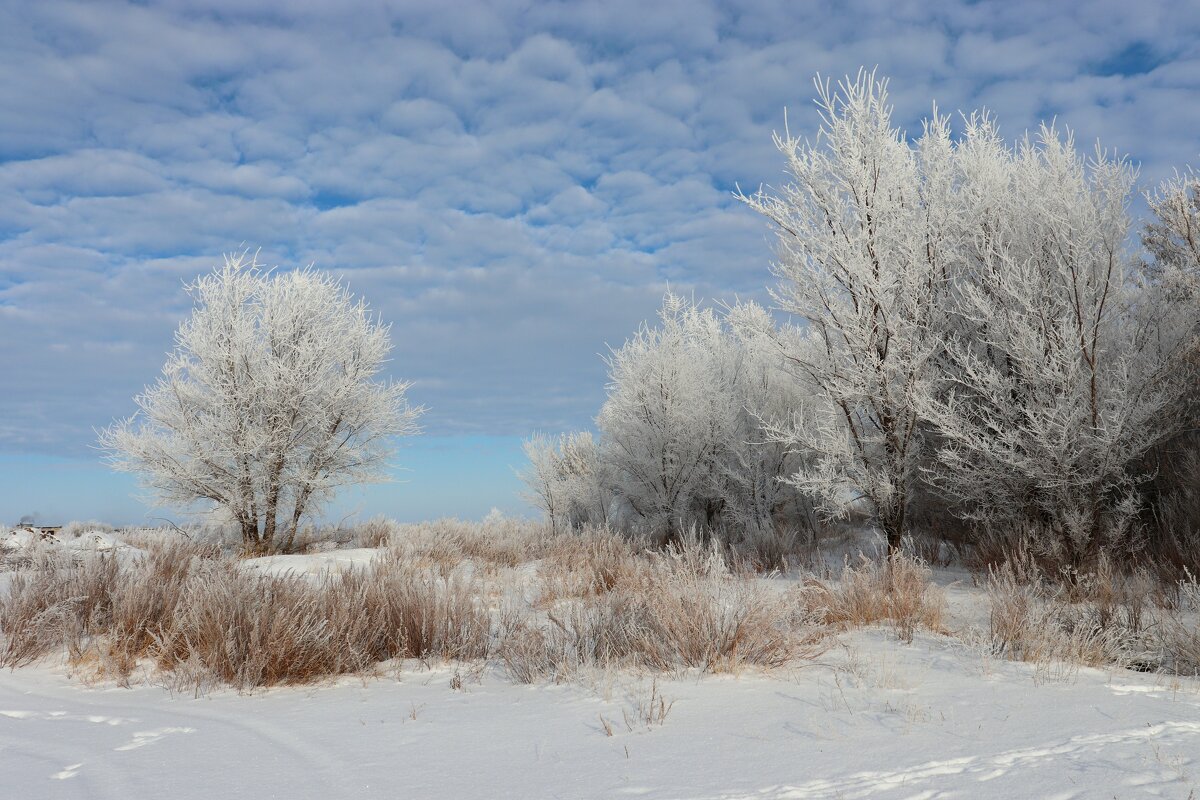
pixel 511 185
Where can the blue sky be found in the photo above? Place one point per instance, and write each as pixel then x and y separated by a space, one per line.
pixel 511 184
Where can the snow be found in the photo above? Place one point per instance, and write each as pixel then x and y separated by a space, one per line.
pixel 874 718
pixel 870 718
pixel 21 538
pixel 312 564
pixel 96 540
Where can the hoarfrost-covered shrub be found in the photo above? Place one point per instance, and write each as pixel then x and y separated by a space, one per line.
pixel 1061 365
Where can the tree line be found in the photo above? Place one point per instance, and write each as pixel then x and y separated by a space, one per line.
pixel 977 332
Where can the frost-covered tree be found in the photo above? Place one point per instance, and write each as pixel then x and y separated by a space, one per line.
pixel 1172 237
pixel 760 499
pixel 862 229
pixel 569 480
pixel 670 412
pixel 1057 375
pixel 681 438
pixel 270 401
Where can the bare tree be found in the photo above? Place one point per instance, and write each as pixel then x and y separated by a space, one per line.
pixel 269 402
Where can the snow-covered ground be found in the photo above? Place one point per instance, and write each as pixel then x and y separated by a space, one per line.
pixel 870 718
pixel 873 718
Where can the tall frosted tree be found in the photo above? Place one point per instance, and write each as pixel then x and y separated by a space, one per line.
pixel 270 401
pixel 862 233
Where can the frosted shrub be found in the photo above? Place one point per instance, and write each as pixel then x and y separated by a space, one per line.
pixel 1060 370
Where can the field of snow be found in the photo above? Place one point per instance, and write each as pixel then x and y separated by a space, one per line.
pixel 874 718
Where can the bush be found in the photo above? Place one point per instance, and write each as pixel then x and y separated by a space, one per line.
pixel 1034 623
pixel 659 611
pixel 896 589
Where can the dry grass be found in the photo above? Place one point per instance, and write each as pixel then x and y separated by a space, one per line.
pixel 497 543
pixel 204 619
pixel 249 630
pixel 1132 618
pixel 1041 625
pixel 376 532
pixel 587 565
pixel 51 602
pixel 775 551
pixel 1180 631
pixel 198 617
pixel 544 607
pixel 659 611
pixel 896 590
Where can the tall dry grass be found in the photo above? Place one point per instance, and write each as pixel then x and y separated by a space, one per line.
pixel 897 590
pixel 1180 631
pixel 608 606
pixel 251 630
pixel 543 607
pixel 192 612
pixel 197 616
pixel 1047 626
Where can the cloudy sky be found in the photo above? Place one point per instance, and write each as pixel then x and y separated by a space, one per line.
pixel 511 184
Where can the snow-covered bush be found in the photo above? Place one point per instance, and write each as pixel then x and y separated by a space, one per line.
pixel 269 402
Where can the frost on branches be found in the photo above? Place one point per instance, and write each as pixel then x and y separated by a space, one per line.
pixel 974 333
pixel 270 401
pixel 1173 237
pixel 1060 370
pixel 680 440
pixel 862 230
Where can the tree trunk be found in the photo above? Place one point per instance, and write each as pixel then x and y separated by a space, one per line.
pixel 892 524
pixel 297 513
pixel 249 534
pixel 272 503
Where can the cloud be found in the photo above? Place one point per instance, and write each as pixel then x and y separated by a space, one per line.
pixel 511 184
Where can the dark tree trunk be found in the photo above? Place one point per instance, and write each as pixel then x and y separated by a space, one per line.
pixel 892 524
pixel 250 539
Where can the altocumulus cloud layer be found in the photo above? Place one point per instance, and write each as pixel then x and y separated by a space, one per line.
pixel 511 184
